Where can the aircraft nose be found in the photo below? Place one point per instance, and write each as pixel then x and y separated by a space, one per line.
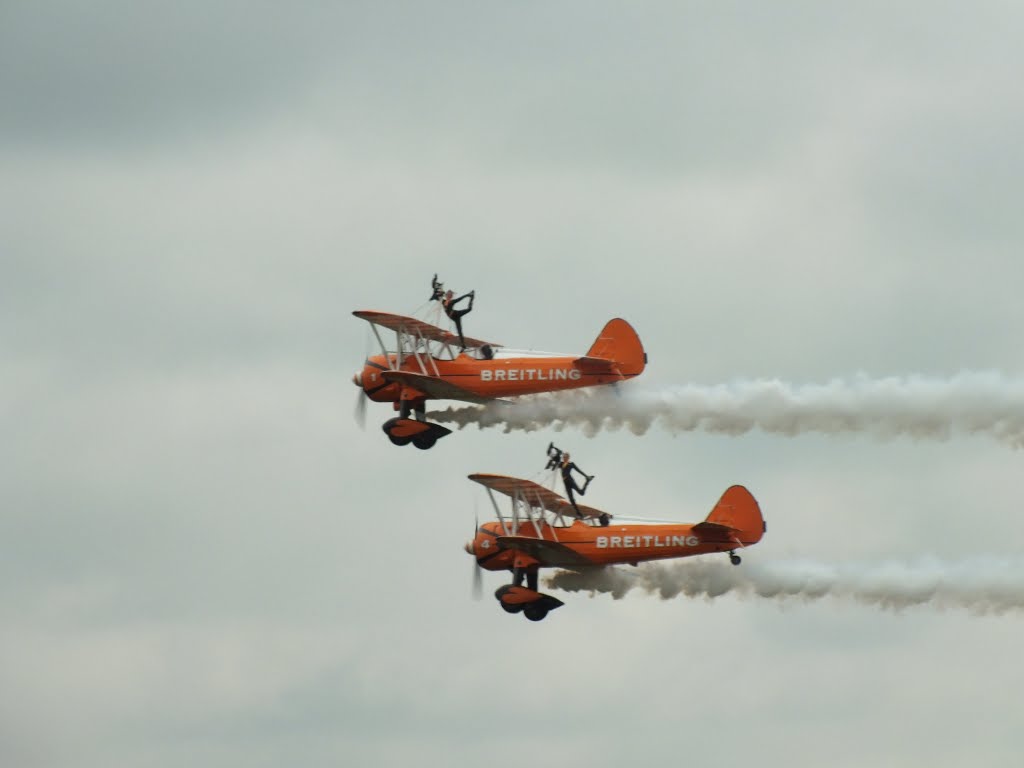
pixel 468 546
pixel 357 379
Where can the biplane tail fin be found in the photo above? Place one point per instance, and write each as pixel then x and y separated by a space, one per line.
pixel 739 510
pixel 619 343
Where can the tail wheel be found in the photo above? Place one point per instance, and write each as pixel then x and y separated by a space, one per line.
pixel 535 612
pixel 424 442
pixel 734 558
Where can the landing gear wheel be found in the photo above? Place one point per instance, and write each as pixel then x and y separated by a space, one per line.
pixel 424 442
pixel 512 608
pixel 535 612
pixel 399 440
pixel 734 558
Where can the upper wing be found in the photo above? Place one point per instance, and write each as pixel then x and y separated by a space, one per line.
pixel 588 511
pixel 434 387
pixel 534 494
pixel 548 553
pixel 414 327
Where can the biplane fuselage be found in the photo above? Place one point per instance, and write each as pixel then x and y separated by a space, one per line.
pixel 605 545
pixel 493 379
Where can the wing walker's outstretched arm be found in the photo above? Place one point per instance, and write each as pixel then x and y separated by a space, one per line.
pixel 554 457
pixel 437 289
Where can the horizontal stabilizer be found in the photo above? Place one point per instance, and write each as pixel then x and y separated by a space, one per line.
pixel 547 553
pixel 595 364
pixel 715 533
pixel 433 387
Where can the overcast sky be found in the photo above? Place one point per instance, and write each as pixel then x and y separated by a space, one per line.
pixel 205 561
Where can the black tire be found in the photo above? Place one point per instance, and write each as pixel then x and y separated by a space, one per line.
pixel 424 442
pixel 535 612
pixel 399 440
pixel 735 559
pixel 512 608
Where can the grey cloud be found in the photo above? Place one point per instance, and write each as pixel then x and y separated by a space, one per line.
pixel 205 561
pixel 118 74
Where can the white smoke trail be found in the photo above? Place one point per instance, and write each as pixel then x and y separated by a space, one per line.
pixel 916 407
pixel 979 586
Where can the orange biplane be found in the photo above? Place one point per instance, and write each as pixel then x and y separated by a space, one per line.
pixel 543 531
pixel 426 363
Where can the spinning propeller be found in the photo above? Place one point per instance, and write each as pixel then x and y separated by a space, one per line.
pixel 478 585
pixel 360 402
pixel 360 409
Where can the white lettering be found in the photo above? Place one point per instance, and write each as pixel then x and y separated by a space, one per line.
pixel 530 374
pixel 633 542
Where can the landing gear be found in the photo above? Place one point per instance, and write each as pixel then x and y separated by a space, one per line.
pixel 422 434
pixel 535 612
pixel 424 441
pixel 734 558
pixel 531 575
pixel 535 606
pixel 409 407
